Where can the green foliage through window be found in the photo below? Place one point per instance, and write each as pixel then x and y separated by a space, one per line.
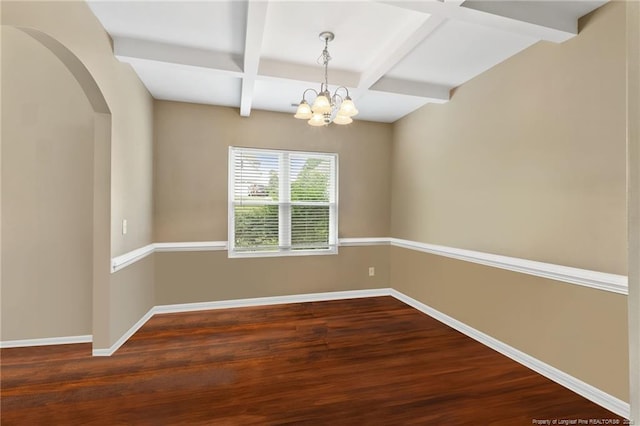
pixel 256 227
pixel 312 183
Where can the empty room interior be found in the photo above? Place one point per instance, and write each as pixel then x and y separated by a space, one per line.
pixel 292 212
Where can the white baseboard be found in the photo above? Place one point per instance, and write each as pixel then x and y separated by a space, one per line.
pixel 589 392
pixel 274 300
pixel 122 340
pixel 46 341
pixel 574 384
pixel 239 303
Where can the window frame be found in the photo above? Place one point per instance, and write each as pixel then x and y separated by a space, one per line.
pixel 284 203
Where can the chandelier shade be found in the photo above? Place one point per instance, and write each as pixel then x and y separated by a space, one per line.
pixel 321 105
pixel 317 120
pixel 342 119
pixel 327 108
pixel 348 108
pixel 304 111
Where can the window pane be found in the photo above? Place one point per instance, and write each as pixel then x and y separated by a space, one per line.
pixel 309 178
pixel 309 227
pixel 256 228
pixel 256 176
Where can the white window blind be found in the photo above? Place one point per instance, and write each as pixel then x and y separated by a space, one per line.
pixel 282 202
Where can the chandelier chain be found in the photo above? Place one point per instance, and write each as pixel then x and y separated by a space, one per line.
pixel 324 59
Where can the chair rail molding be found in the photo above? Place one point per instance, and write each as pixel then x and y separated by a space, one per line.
pixel 583 277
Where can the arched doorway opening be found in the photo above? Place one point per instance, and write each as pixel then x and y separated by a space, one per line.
pixel 27 143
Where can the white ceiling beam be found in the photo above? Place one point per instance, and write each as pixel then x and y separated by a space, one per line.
pixel 311 76
pixel 256 19
pixel 433 92
pixel 129 49
pixel 552 29
pixel 532 12
pixel 314 75
pixel 395 51
pixel 223 63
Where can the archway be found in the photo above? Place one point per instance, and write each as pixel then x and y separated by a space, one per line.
pixel 100 175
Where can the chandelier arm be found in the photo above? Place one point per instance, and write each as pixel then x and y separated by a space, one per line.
pixel 345 89
pixel 304 94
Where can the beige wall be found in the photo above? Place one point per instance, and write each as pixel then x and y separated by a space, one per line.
pixel 73 24
pixel 186 277
pixel 131 154
pixel 191 155
pixel 527 159
pixel 578 330
pixel 633 164
pixel 132 292
pixel 47 174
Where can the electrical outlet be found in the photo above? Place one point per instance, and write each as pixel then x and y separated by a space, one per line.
pixel 124 226
pixel 372 271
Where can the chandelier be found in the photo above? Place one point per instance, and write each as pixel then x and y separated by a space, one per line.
pixel 326 108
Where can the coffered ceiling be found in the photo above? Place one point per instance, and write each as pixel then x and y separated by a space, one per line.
pixel 394 56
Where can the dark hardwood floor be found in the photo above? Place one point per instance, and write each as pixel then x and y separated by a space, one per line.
pixel 373 361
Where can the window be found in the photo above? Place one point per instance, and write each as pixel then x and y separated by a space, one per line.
pixel 282 202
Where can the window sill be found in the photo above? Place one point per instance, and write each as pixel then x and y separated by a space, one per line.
pixel 243 255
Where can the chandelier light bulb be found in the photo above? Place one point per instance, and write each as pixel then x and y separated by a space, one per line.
pixel 321 105
pixel 348 108
pixel 317 120
pixel 304 111
pixel 342 119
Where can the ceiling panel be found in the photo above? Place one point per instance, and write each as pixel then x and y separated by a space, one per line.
pixel 386 107
pixel 558 12
pixel 456 52
pixel 217 25
pixel 188 84
pixel 278 95
pixel 362 31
